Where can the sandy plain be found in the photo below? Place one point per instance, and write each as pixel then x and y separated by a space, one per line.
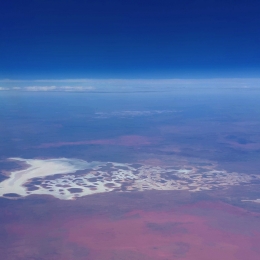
pixel 148 225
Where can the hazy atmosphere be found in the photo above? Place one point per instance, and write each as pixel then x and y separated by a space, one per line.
pixel 129 130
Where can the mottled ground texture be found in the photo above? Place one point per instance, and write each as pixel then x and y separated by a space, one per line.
pixel 71 178
pixel 148 225
pixel 134 176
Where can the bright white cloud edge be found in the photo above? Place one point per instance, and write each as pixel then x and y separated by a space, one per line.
pixel 89 85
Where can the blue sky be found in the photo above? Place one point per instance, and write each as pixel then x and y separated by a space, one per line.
pixel 44 39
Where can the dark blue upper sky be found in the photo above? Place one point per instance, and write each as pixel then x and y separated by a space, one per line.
pixel 129 39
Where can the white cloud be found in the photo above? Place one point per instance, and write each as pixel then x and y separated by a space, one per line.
pixel 50 88
pixel 76 88
pixel 133 113
pixel 40 88
pixel 128 85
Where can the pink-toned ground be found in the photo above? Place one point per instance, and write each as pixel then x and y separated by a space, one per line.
pixel 194 231
pixel 127 140
pixel 163 235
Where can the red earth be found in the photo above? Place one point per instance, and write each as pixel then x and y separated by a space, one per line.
pixel 126 140
pixel 195 231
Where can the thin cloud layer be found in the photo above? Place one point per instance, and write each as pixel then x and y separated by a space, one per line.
pixel 49 88
pixel 127 85
pixel 132 113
